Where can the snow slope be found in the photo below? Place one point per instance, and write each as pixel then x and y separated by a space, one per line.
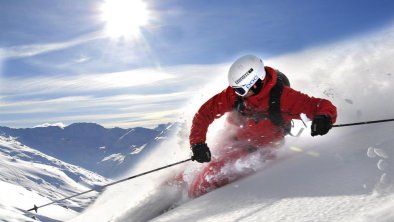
pixel 346 175
pixel 337 178
pixel 29 177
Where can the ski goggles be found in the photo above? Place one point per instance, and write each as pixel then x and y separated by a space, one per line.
pixel 242 90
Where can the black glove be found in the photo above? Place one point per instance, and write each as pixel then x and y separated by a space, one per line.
pixel 201 153
pixel 321 125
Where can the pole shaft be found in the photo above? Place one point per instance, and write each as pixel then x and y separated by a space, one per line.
pixel 147 172
pixel 362 123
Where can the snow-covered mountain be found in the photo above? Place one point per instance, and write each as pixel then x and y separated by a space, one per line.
pixel 87 145
pixel 29 177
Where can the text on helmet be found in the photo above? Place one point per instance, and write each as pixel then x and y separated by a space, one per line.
pixel 252 82
pixel 244 76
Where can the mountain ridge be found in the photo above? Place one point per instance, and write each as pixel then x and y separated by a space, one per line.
pixel 84 144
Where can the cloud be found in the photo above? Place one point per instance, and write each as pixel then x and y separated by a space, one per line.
pixel 115 103
pixel 1 62
pixel 82 59
pixel 140 96
pixel 110 118
pixel 81 83
pixel 136 81
pixel 36 49
pixel 359 70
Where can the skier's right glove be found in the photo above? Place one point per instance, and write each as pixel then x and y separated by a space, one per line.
pixel 201 153
pixel 321 125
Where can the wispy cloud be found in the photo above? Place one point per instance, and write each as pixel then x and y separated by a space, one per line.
pixel 82 59
pixel 143 96
pixel 358 70
pixel 150 118
pixel 136 81
pixel 81 83
pixel 36 49
pixel 67 104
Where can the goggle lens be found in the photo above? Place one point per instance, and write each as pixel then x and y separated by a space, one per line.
pixel 240 91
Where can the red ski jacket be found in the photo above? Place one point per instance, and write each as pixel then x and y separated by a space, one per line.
pixel 262 132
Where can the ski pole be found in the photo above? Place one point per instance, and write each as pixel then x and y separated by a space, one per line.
pixel 35 208
pixel 362 123
pixel 147 172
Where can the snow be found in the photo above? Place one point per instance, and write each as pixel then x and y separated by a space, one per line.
pixel 139 149
pixel 120 138
pixel 340 184
pixel 329 178
pixel 29 177
pixel 347 175
pixel 117 157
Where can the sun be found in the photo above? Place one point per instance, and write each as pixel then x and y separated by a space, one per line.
pixel 124 18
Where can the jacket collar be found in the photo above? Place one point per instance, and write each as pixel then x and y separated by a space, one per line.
pixel 269 82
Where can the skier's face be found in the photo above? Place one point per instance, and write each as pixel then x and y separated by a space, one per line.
pixel 249 93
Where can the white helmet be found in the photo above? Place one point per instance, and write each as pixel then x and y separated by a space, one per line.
pixel 245 72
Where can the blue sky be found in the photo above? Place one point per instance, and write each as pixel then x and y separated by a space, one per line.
pixel 59 62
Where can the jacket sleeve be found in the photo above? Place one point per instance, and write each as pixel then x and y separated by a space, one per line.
pixel 212 109
pixel 294 103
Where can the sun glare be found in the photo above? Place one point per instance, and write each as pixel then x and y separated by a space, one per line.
pixel 124 18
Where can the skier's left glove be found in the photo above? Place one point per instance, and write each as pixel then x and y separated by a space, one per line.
pixel 321 125
pixel 201 153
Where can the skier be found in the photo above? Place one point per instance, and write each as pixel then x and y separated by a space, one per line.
pixel 260 104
